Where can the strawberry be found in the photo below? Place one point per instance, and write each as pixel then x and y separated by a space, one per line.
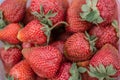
pixel 49 11
pixel 74 19
pixel 11 12
pixel 96 11
pixel 39 78
pixel 22 71
pixel 10 57
pixel 9 33
pixel 44 60
pixel 79 47
pixel 32 33
pixel 63 73
pixel 107 34
pixel 105 64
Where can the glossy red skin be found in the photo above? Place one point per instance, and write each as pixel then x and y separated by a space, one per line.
pixel 11 12
pixel 10 57
pixel 107 12
pixel 107 55
pixel 63 73
pixel 44 60
pixel 105 35
pixel 22 71
pixel 32 33
pixel 73 17
pixel 77 48
pixel 9 33
pixel 53 5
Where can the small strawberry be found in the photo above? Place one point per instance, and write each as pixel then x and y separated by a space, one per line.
pixel 22 71
pixel 105 64
pixel 9 33
pixel 44 60
pixel 107 34
pixel 13 10
pixel 98 12
pixel 79 47
pixel 63 73
pixel 74 19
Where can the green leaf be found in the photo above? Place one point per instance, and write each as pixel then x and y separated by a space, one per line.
pixel 85 8
pixel 51 14
pixel 10 78
pixel 88 2
pixel 102 68
pixel 2 22
pixel 36 14
pixel 82 69
pixel 94 2
pixel 41 10
pixel 50 22
pixel 110 70
pixel 115 23
pixel 92 69
pixel 83 15
pixel 99 20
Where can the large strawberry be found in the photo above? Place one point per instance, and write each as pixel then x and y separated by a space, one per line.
pixel 63 73
pixel 98 12
pixel 79 47
pixel 13 10
pixel 107 34
pixel 44 60
pixel 10 57
pixel 22 71
pixel 74 19
pixel 9 33
pixel 105 63
pixel 49 11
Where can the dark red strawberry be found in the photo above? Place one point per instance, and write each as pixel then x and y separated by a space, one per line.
pixel 107 34
pixel 79 47
pixel 105 63
pixel 9 33
pixel 74 19
pixel 10 57
pixel 13 10
pixel 98 12
pixel 44 60
pixel 63 73
pixel 22 71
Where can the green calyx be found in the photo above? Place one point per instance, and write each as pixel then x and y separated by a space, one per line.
pixel 90 12
pixel 2 22
pixel 101 72
pixel 75 72
pixel 45 18
pixel 10 78
pixel 116 26
pixel 92 40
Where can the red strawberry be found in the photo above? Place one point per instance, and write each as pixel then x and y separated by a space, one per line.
pixel 105 61
pixel 79 47
pixel 63 73
pixel 9 33
pixel 76 23
pixel 44 60
pixel 98 12
pixel 52 5
pixel 13 10
pixel 105 35
pixel 22 71
pixel 32 33
pixel 39 78
pixel 27 45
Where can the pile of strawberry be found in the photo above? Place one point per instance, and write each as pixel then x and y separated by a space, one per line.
pixel 59 40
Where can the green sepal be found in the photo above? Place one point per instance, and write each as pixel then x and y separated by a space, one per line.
pixel 92 40
pixel 2 22
pixel 101 72
pixel 82 69
pixel 116 26
pixel 90 12
pixel 10 78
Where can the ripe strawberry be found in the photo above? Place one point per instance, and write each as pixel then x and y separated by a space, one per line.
pixel 13 10
pixel 79 47
pixel 27 45
pixel 9 33
pixel 51 11
pixel 44 60
pixel 22 71
pixel 10 57
pixel 105 35
pixel 96 11
pixel 32 33
pixel 105 63
pixel 74 19
pixel 63 73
